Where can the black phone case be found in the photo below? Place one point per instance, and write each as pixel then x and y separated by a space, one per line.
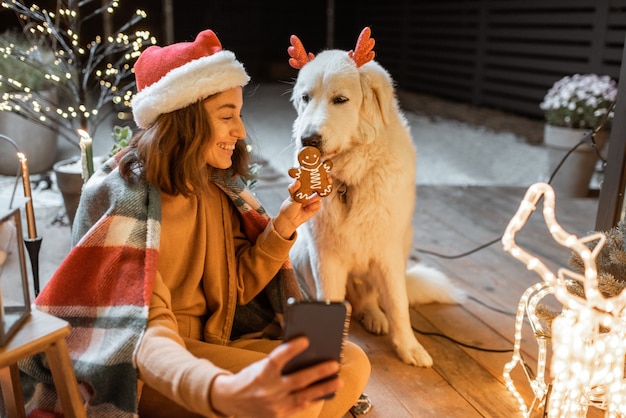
pixel 324 323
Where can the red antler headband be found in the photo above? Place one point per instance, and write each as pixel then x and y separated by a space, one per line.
pixel 298 54
pixel 363 51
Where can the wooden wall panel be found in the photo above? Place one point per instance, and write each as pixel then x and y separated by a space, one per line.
pixel 498 53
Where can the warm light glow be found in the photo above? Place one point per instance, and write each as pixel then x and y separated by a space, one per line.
pixel 86 154
pixel 588 338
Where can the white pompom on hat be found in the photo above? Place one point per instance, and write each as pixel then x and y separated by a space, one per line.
pixel 173 77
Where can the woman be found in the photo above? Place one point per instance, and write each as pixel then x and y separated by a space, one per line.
pixel 182 244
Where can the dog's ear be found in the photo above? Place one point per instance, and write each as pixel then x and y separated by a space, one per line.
pixel 378 92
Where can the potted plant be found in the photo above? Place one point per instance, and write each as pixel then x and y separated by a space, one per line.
pixel 96 79
pixel 577 107
pixel 31 137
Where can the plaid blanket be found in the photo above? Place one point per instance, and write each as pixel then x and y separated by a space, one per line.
pixel 103 290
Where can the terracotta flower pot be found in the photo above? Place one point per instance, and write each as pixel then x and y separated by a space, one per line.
pixel 573 177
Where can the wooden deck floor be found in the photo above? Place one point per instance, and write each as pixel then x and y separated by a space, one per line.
pixel 464 382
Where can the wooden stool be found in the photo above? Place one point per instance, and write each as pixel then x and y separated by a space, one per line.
pixel 40 333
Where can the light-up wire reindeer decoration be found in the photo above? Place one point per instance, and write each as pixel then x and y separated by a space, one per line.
pixel 588 336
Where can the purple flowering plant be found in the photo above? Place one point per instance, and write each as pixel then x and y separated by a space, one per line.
pixel 579 101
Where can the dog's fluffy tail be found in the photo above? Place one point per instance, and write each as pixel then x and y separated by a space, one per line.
pixel 426 284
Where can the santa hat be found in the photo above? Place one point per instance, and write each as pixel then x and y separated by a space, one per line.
pixel 172 77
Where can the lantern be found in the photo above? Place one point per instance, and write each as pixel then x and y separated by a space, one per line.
pixel 14 294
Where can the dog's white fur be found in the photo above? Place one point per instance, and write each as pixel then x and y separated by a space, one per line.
pixel 357 245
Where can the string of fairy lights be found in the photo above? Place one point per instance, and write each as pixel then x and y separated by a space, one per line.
pixel 87 76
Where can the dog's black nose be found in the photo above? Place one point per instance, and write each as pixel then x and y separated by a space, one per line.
pixel 314 140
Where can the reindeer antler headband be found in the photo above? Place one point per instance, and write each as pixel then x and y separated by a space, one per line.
pixel 363 51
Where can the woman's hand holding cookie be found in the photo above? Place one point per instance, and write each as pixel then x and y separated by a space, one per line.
pixel 292 214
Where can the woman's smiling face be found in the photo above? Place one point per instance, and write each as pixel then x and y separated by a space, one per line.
pixel 224 113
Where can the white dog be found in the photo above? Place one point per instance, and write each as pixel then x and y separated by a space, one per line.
pixel 357 245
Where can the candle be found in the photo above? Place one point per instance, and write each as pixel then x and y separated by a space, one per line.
pixel 30 213
pixel 86 154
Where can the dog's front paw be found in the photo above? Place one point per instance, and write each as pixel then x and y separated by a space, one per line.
pixel 374 321
pixel 414 354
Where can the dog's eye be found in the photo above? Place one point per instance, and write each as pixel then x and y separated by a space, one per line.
pixel 339 99
pixel 305 98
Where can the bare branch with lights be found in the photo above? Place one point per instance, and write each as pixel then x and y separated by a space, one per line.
pixel 92 78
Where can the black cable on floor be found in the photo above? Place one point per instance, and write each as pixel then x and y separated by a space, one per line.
pixel 480 302
pixel 451 257
pixel 473 347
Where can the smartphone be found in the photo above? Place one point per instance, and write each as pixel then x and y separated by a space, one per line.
pixel 326 326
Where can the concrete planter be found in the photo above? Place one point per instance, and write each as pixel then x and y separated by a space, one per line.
pixel 70 183
pixel 574 175
pixel 38 143
pixel 69 180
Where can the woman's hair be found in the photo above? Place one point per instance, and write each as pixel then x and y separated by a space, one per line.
pixel 170 153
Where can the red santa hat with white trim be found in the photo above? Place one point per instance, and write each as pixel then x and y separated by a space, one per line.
pixel 172 77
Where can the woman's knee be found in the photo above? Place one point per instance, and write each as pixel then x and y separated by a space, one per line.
pixel 355 359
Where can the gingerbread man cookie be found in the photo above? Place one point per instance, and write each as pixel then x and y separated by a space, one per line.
pixel 313 174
